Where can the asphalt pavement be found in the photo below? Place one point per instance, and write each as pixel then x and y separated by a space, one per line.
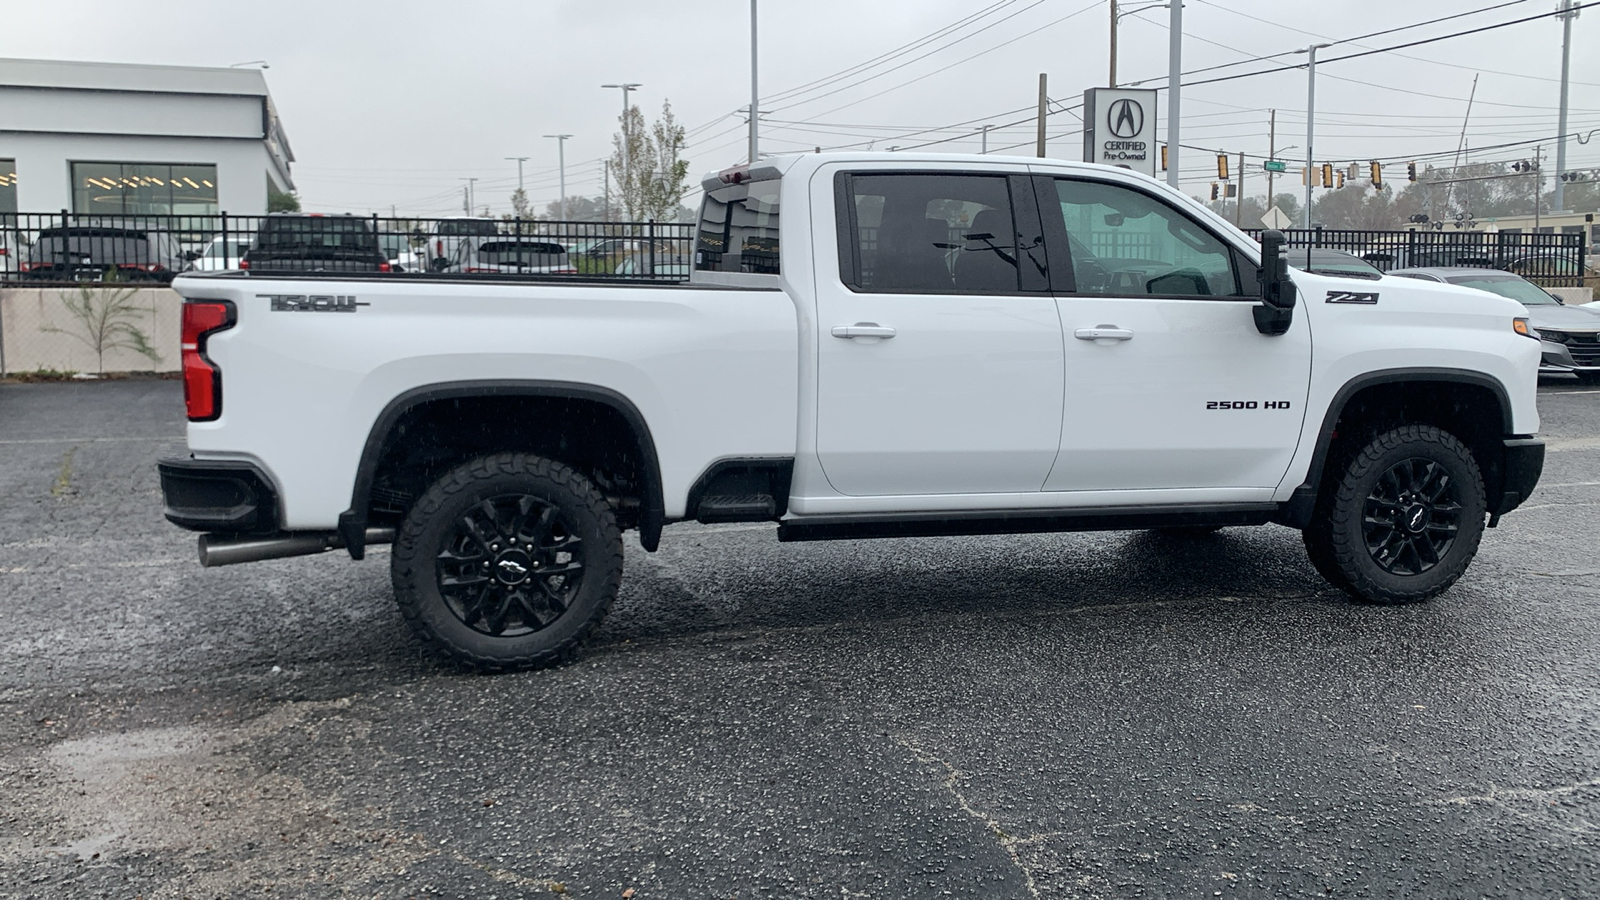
pixel 1123 714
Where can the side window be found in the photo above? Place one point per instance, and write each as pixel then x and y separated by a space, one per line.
pixel 928 234
pixel 1124 242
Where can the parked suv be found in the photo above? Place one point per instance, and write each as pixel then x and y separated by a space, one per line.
pixel 313 243
pixel 109 247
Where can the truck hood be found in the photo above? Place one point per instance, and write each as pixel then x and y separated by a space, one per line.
pixel 1564 318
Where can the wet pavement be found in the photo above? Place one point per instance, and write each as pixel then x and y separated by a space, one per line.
pixel 1103 715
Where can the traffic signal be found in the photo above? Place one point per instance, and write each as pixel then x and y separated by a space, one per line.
pixel 1230 190
pixel 1163 157
pixel 1222 166
pixel 1411 171
pixel 1327 175
pixel 1341 179
pixel 1377 174
pixel 1213 190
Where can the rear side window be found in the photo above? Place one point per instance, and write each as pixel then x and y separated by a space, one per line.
pixel 929 234
pixel 738 230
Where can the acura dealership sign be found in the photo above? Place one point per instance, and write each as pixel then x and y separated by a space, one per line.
pixel 1119 129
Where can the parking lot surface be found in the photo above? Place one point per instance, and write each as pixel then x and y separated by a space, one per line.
pixel 1101 715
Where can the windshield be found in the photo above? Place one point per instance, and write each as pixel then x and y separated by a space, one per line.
pixel 343 233
pixel 1525 292
pixel 99 247
pixel 1340 265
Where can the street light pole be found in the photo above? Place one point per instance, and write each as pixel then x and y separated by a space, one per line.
pixel 755 100
pixel 1174 88
pixel 1311 125
pixel 985 130
pixel 1112 81
pixel 627 138
pixel 561 162
pixel 520 160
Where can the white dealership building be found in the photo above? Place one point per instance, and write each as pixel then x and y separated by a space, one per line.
pixel 119 139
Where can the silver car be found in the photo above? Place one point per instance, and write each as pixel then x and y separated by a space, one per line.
pixel 1570 334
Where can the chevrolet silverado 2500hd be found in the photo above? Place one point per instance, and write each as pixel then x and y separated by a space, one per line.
pixel 870 345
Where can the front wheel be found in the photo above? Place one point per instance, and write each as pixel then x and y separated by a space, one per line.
pixel 1400 520
pixel 507 562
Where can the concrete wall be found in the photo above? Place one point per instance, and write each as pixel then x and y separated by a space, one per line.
pixel 26 313
pixel 1573 296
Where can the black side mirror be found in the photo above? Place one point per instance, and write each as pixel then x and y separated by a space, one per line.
pixel 1276 311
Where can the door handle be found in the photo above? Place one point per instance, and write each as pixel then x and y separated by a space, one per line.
pixel 863 330
pixel 1103 333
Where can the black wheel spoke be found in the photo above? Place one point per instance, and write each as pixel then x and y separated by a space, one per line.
pixel 511 566
pixel 1412 516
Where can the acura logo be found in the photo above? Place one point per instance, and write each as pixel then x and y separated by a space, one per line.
pixel 1125 118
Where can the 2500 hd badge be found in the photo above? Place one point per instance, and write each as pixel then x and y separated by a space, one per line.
pixel 1247 404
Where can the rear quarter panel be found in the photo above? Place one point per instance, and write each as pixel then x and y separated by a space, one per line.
pixel 713 372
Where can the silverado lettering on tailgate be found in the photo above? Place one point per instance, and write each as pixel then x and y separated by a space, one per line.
pixel 313 302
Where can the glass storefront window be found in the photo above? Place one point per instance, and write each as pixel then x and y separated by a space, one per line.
pixel 110 188
pixel 8 185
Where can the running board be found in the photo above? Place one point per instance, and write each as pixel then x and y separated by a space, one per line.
pixel 949 524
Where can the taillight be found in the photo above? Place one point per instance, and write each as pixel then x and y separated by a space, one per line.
pixel 4 252
pixel 244 264
pixel 564 272
pixel 480 271
pixel 202 380
pixel 385 267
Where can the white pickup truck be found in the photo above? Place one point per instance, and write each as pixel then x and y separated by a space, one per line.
pixel 871 345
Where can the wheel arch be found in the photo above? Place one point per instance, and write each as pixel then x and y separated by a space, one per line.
pixel 1365 391
pixel 652 508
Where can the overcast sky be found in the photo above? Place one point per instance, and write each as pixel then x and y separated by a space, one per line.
pixel 393 103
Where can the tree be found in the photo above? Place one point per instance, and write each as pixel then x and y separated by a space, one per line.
pixel 281 201
pixel 106 316
pixel 647 168
pixel 519 205
pixel 578 209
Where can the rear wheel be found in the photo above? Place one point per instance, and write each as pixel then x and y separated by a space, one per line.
pixel 507 562
pixel 1401 518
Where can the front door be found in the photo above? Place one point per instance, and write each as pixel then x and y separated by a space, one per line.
pixel 940 359
pixel 1170 387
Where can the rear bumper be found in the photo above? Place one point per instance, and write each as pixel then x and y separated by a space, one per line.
pixel 1523 463
pixel 218 496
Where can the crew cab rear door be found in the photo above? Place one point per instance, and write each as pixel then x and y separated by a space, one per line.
pixel 939 345
pixel 1169 386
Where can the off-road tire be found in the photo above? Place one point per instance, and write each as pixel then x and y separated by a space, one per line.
pixel 433 524
pixel 1339 537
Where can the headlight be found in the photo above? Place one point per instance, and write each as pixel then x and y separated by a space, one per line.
pixel 1520 326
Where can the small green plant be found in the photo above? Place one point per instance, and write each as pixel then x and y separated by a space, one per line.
pixel 43 374
pixel 106 316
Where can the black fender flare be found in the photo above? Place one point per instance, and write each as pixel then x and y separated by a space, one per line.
pixel 652 507
pixel 1297 509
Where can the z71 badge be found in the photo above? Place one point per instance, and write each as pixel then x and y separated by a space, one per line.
pixel 313 302
pixel 1368 298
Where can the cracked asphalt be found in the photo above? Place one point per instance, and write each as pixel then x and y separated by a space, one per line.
pixel 1103 715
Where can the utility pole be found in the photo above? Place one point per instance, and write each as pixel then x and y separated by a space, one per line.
pixel 561 162
pixel 1567 15
pixel 1272 153
pixel 1538 185
pixel 985 130
pixel 467 193
pixel 1311 125
pixel 755 116
pixel 1238 197
pixel 1044 101
pixel 627 137
pixel 1112 81
pixel 1174 88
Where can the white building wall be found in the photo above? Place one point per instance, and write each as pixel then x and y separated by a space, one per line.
pixel 126 113
pixel 44 171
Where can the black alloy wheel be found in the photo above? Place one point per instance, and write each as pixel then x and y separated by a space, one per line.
pixel 511 567
pixel 1398 516
pixel 1412 517
pixel 507 562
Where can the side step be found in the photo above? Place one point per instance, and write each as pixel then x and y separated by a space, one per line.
pixel 737 508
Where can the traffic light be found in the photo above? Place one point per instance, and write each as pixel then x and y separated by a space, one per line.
pixel 1411 171
pixel 1341 179
pixel 1222 166
pixel 1327 175
pixel 1230 190
pixel 1213 190
pixel 1163 157
pixel 1377 174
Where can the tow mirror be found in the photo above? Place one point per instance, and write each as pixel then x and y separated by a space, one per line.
pixel 1276 310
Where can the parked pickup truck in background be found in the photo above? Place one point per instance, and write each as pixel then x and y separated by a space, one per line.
pixel 871 346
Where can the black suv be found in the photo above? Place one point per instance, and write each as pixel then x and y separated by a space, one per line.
pixel 312 243
pixel 101 249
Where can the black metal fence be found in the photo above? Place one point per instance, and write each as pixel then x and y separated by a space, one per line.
pixel 65 247
pixel 1550 260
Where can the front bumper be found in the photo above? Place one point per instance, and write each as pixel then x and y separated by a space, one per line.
pixel 1522 464
pixel 217 495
